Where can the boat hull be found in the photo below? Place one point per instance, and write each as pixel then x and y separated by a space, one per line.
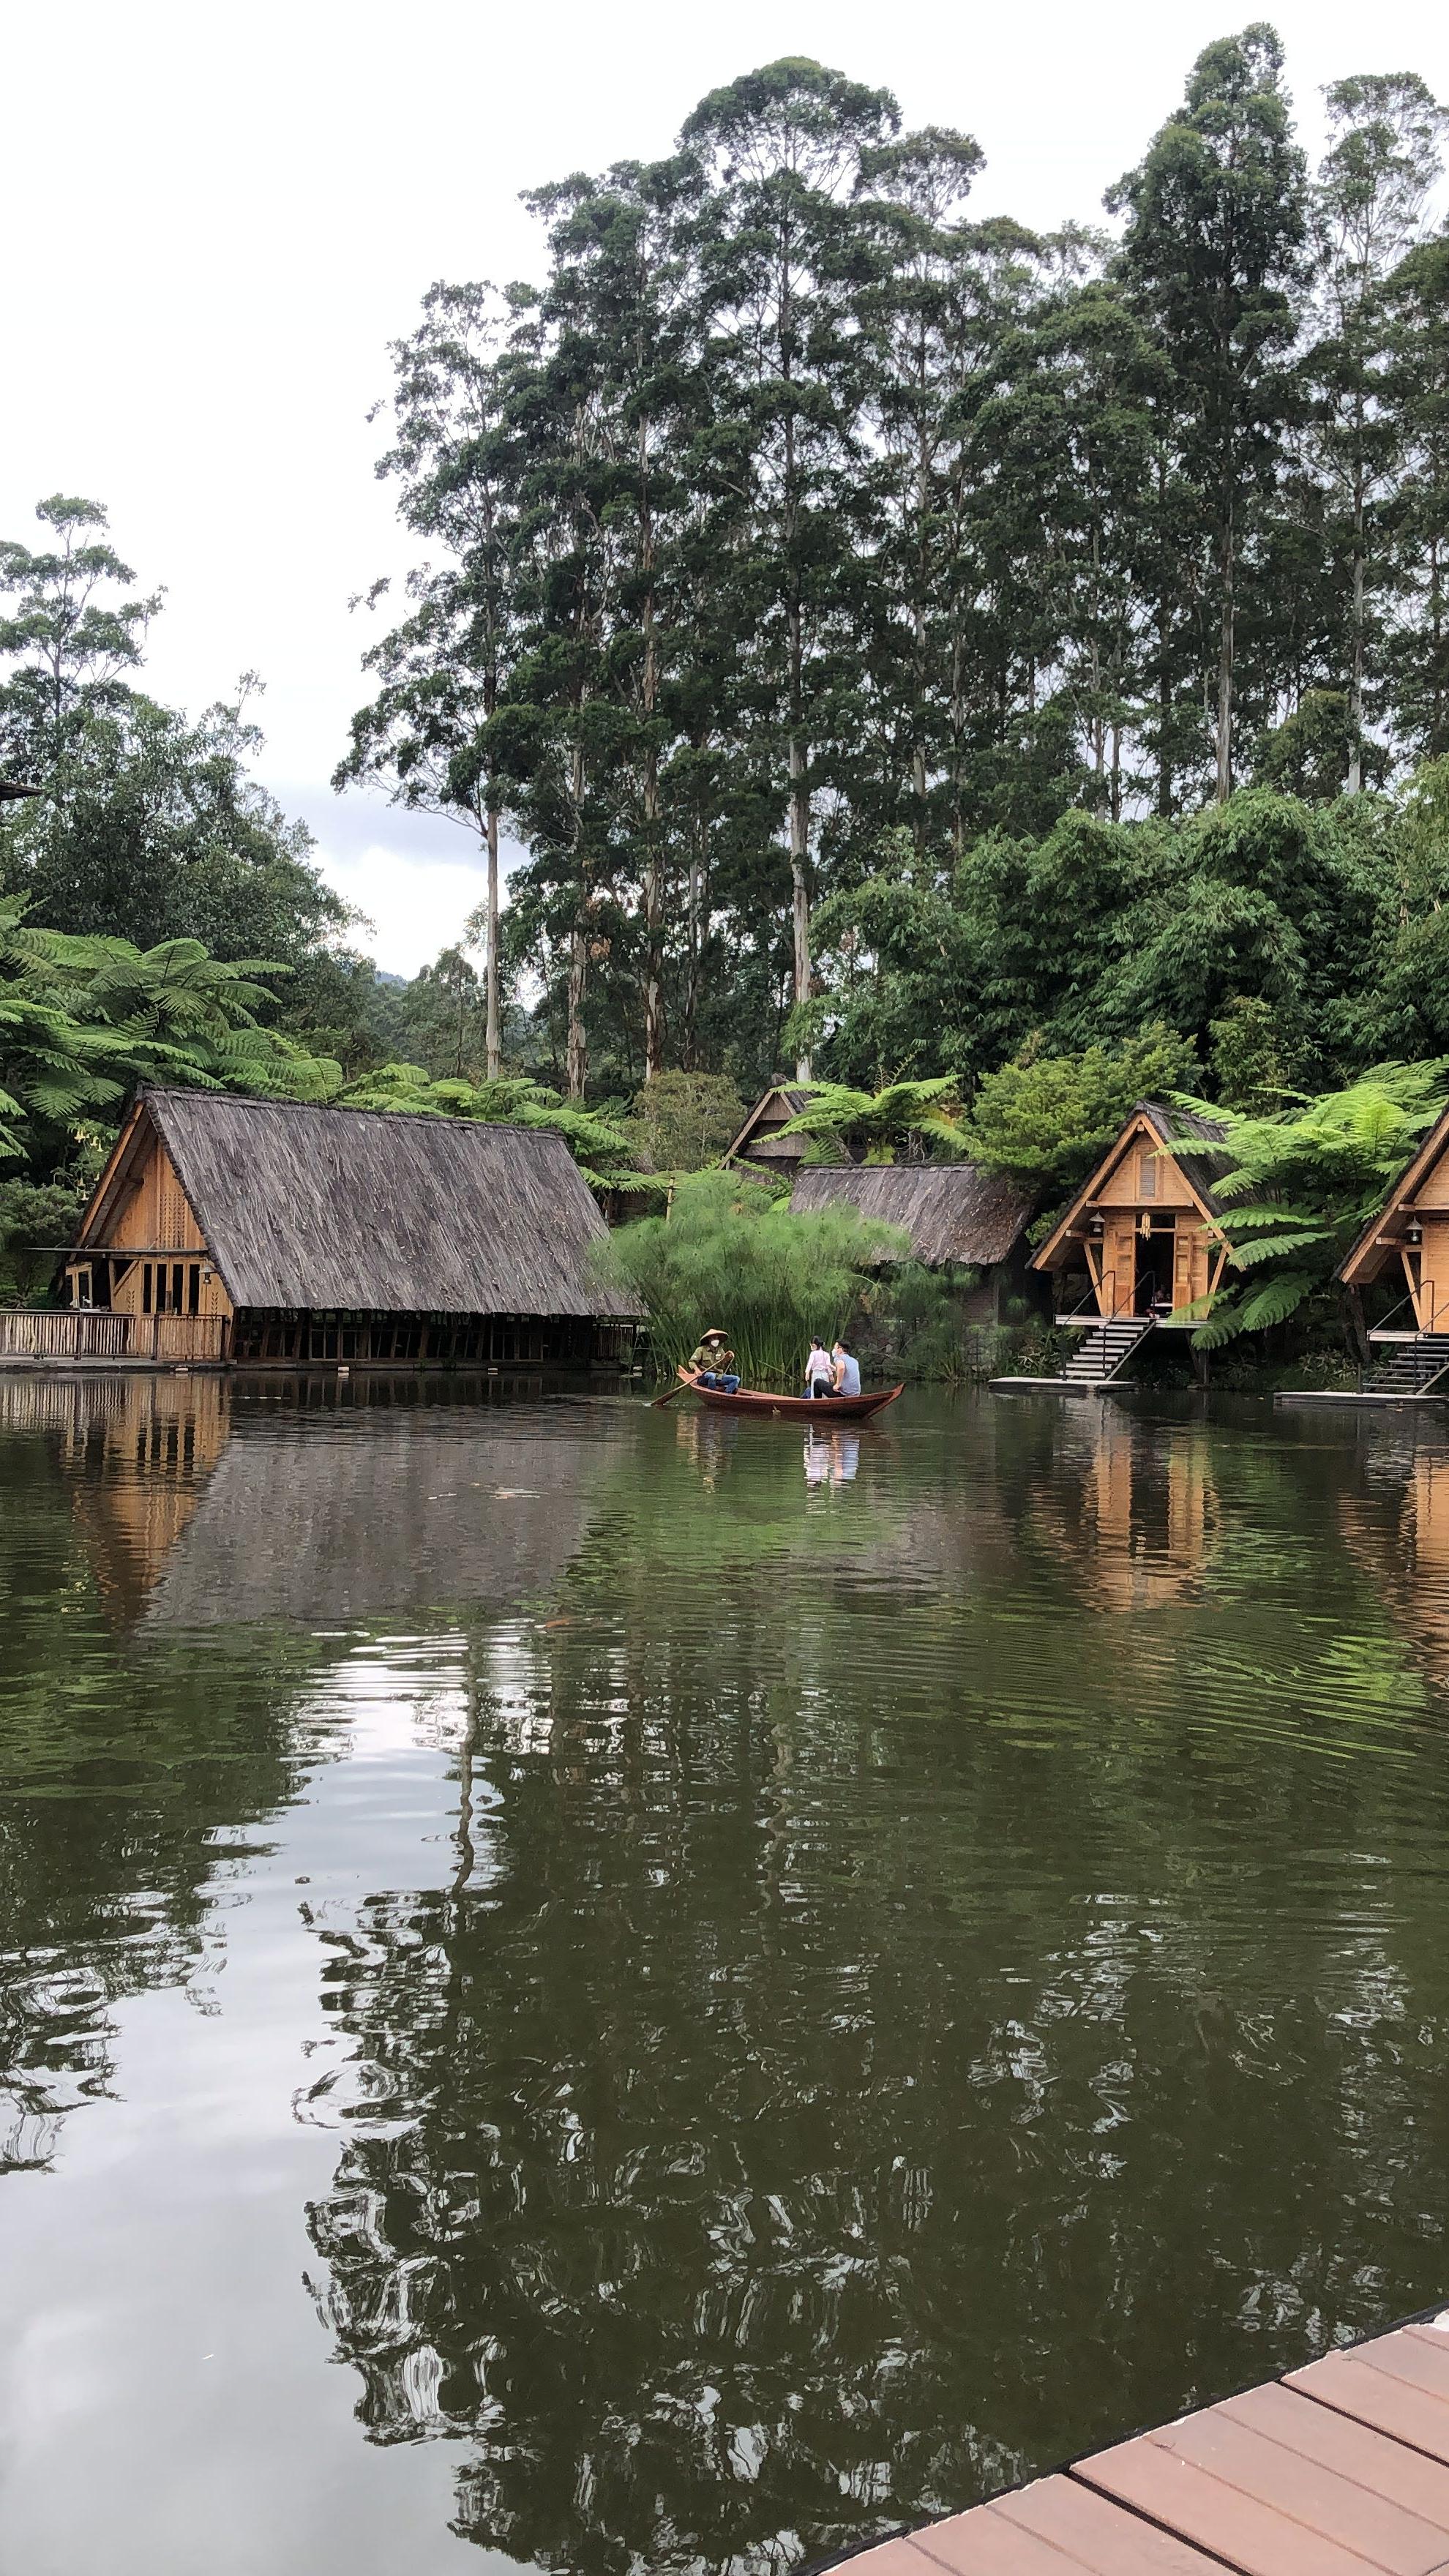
pixel 821 1410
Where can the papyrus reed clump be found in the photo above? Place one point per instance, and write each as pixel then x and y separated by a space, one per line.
pixel 730 1253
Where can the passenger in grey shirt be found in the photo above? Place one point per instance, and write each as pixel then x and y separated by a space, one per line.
pixel 847 1371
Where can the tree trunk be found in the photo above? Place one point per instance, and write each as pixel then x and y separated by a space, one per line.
pixel 653 924
pixel 1164 675
pixel 1356 655
pixel 1225 659
pixel 1355 1326
pixel 800 887
pixel 653 981
pixel 578 1045
pixel 493 1040
pixel 694 942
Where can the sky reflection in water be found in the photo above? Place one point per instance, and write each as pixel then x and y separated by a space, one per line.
pixel 598 1989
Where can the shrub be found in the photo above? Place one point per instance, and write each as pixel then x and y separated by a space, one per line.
pixel 730 1253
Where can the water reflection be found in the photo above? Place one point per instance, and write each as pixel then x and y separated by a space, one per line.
pixel 1136 1515
pixel 832 1457
pixel 784 1965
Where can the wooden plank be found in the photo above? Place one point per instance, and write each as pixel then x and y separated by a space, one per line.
pixel 1317 2499
pixel 1422 2360
pixel 1101 2537
pixel 1355 2451
pixel 1353 2388
pixel 1247 2534
pixel 890 2558
pixel 984 2543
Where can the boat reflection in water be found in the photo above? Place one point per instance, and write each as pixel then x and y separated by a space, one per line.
pixel 831 1457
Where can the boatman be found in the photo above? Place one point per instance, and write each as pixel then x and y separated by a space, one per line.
pixel 713 1362
pixel 847 1371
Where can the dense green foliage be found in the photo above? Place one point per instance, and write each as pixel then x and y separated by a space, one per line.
pixel 682 1121
pixel 850 604
pixel 1047 1119
pixel 1302 1182
pixel 914 1116
pixel 729 1254
pixel 83 1020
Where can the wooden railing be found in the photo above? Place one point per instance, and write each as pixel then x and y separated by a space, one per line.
pixel 79 1333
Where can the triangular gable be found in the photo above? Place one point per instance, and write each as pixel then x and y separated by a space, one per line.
pixel 140 1138
pixel 1143 1121
pixel 126 1152
pixel 1366 1256
pixel 793 1102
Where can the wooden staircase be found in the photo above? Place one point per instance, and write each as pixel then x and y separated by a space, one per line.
pixel 1411 1367
pixel 1103 1350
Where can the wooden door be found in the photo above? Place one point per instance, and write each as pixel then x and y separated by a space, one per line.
pixel 1116 1295
pixel 1431 1298
pixel 1190 1263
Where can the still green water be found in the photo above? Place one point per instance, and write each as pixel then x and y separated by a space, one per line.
pixel 593 1990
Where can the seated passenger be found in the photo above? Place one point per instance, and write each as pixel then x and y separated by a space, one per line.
pixel 847 1371
pixel 819 1370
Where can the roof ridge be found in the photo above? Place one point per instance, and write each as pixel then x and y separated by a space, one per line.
pixel 337 1108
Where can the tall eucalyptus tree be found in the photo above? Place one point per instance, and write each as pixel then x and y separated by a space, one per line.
pixel 1367 210
pixel 430 732
pixel 1417 306
pixel 1212 255
pixel 626 321
pixel 914 189
pixel 783 259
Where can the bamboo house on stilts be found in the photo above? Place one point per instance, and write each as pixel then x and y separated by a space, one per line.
pixel 1139 1248
pixel 266 1232
pixel 1406 1246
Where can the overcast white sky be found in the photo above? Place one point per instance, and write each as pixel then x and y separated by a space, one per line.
pixel 217 218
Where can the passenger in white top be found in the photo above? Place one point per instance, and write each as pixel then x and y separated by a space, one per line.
pixel 847 1371
pixel 819 1370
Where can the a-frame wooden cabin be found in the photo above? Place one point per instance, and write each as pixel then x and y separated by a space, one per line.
pixel 256 1231
pixel 1407 1244
pixel 1144 1229
pixel 760 1144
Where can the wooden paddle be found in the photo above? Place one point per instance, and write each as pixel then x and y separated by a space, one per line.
pixel 682 1388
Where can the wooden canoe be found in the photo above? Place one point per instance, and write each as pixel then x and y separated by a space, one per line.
pixel 821 1410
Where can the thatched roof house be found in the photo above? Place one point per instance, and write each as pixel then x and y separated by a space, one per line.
pixel 955 1215
pixel 337 1233
pixel 952 1212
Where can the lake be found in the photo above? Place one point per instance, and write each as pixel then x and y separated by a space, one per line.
pixel 594 1990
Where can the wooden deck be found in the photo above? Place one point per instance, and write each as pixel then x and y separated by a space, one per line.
pixel 1335 2470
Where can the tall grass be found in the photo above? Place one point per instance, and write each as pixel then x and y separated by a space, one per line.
pixel 730 1253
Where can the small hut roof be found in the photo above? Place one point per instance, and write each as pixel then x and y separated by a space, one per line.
pixel 1171 1126
pixel 951 1211
pixel 382 1212
pixel 1366 1255
pixel 1181 1127
pixel 760 1138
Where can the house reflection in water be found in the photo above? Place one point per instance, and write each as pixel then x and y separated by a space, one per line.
pixel 1396 1528
pixel 137 1450
pixel 1132 1507
pixel 200 1506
